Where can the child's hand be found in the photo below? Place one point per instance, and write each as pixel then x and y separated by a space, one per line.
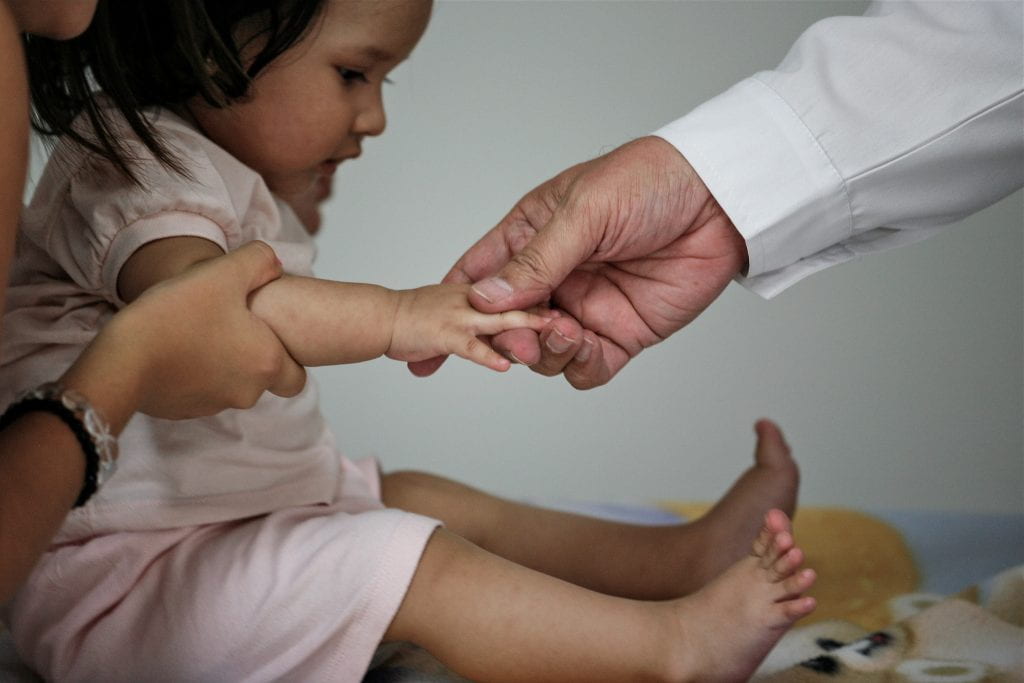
pixel 436 320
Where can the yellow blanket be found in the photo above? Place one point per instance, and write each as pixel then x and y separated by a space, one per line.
pixel 871 623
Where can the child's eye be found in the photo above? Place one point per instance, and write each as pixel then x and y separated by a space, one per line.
pixel 352 76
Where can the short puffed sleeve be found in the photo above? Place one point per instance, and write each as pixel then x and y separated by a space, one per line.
pixel 90 219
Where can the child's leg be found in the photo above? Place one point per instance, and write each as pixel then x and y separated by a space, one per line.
pixel 490 619
pixel 628 560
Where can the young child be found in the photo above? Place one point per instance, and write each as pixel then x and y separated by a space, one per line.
pixel 243 546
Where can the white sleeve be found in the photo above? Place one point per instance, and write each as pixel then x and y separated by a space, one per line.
pixel 871 133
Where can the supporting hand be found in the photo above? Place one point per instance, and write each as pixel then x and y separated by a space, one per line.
pixel 190 346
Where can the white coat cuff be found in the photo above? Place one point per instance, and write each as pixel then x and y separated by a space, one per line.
pixel 770 176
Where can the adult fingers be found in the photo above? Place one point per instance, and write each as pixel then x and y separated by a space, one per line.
pixel 595 363
pixel 426 368
pixel 259 265
pixel 257 262
pixel 521 346
pixel 289 379
pixel 559 343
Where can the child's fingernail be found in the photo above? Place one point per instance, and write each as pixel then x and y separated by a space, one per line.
pixel 513 357
pixel 493 289
pixel 585 349
pixel 557 342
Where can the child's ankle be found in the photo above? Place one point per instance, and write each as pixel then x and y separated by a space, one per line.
pixel 679 661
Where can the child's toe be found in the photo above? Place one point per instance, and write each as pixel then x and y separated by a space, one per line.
pixel 798 583
pixel 788 563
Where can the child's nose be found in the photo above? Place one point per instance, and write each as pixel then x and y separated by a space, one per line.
pixel 371 119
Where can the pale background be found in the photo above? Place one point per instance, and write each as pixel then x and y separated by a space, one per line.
pixel 898 379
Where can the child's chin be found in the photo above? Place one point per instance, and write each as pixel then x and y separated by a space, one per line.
pixel 311 220
pixel 313 227
pixel 324 186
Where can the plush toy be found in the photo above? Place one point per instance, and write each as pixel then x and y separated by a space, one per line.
pixel 931 639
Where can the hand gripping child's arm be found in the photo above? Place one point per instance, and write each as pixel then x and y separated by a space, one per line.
pixel 322 322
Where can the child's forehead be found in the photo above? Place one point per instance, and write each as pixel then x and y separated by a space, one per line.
pixel 382 30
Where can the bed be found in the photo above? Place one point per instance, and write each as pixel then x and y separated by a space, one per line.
pixel 903 596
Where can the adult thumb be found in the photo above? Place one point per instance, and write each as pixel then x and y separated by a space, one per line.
pixel 257 264
pixel 538 268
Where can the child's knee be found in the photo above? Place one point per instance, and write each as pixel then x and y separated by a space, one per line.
pixel 400 487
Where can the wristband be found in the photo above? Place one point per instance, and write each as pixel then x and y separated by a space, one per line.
pixel 98 444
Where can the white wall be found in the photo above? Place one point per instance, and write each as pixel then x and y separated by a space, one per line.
pixel 897 379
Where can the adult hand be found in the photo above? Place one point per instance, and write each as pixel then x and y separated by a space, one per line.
pixel 190 346
pixel 631 246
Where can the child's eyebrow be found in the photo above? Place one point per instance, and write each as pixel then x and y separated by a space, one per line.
pixel 375 53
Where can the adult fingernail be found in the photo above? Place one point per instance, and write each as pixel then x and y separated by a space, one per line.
pixel 557 342
pixel 493 289
pixel 585 350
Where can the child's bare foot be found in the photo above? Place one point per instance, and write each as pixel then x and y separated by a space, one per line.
pixel 730 625
pixel 730 526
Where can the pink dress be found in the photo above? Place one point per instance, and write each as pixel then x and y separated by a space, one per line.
pixel 242 546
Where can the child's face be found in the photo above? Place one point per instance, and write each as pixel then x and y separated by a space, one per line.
pixel 311 108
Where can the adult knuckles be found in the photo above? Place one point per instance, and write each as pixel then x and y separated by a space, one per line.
pixel 269 366
pixel 582 381
pixel 530 268
pixel 547 369
pixel 263 253
pixel 290 380
pixel 583 376
pixel 245 397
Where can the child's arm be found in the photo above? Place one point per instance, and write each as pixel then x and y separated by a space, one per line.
pixel 322 322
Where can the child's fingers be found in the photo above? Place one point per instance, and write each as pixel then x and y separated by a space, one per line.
pixel 511 320
pixel 481 353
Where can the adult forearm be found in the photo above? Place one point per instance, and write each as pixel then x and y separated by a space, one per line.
pixel 41 463
pixel 42 466
pixel 322 322
pixel 150 357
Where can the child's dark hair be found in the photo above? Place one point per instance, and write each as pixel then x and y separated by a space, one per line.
pixel 143 53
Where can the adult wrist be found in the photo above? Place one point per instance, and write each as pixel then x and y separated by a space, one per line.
pixel 98 445
pixel 739 246
pixel 787 199
pixel 111 372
